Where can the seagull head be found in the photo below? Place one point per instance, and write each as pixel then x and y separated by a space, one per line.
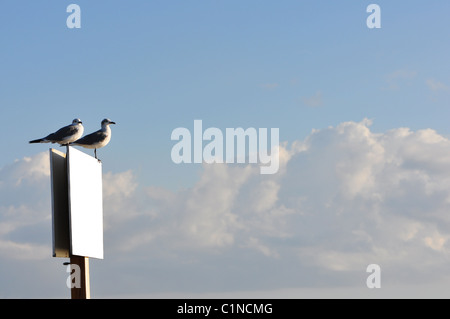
pixel 106 122
pixel 76 122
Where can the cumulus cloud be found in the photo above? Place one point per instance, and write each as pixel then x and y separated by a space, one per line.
pixel 24 207
pixel 377 195
pixel 344 197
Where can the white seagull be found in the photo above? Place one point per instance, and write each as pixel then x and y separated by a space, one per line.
pixel 97 139
pixel 64 135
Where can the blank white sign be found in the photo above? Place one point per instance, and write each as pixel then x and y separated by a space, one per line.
pixel 85 204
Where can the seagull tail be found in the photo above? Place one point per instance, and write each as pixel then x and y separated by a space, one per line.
pixel 41 140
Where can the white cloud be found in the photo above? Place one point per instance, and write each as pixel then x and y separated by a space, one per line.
pixel 436 86
pixel 254 243
pixel 23 251
pixel 345 194
pixel 436 241
pixel 344 197
pixel 314 101
pixel 23 192
pixel 400 77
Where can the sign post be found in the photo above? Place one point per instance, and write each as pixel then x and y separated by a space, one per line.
pixel 84 289
pixel 77 213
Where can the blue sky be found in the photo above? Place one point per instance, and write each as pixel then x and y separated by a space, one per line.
pixel 252 64
pixel 154 66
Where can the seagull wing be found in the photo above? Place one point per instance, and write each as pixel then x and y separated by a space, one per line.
pixel 91 139
pixel 63 133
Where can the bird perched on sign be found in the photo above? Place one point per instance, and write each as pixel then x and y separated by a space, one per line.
pixel 64 135
pixel 97 139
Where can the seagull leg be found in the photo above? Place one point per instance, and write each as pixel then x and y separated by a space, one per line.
pixel 95 152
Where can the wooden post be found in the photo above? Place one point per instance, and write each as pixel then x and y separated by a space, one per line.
pixel 84 292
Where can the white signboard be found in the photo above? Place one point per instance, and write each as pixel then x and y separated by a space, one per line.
pixel 85 204
pixel 77 204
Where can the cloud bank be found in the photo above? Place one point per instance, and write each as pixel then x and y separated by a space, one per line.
pixel 344 197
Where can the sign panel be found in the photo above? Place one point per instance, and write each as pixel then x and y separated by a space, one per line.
pixel 60 204
pixel 85 204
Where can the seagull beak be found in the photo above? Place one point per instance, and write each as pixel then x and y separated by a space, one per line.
pixel 112 122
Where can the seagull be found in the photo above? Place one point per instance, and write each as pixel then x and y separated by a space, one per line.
pixel 97 139
pixel 64 135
